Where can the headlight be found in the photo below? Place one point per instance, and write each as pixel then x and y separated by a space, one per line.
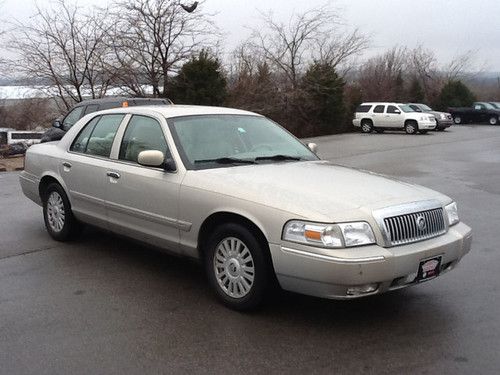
pixel 452 212
pixel 443 116
pixel 329 235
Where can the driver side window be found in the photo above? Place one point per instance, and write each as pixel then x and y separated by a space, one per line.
pixel 142 133
pixel 393 109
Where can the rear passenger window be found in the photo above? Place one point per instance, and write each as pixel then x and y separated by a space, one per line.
pixel 379 109
pixel 143 133
pixel 363 108
pixel 98 135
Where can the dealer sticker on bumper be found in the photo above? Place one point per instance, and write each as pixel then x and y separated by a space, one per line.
pixel 429 269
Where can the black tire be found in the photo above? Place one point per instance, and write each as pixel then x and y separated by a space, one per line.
pixel 423 131
pixel 457 120
pixel 261 261
pixel 411 127
pixel 493 120
pixel 379 130
pixel 366 126
pixel 71 227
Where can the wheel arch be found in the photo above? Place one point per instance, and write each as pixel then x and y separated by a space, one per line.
pixel 221 217
pixel 46 180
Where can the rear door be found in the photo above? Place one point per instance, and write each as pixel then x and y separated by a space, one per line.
pixel 141 201
pixel 84 167
pixel 379 117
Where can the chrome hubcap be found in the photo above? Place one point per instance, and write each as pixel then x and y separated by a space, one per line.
pixel 366 128
pixel 234 267
pixel 55 211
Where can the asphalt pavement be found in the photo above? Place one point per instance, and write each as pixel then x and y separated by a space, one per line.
pixel 108 305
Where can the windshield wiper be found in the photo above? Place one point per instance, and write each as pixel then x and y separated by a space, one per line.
pixel 278 157
pixel 225 160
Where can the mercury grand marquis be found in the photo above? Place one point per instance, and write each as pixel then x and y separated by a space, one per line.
pixel 245 197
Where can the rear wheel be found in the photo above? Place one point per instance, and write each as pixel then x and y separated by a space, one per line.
pixel 493 120
pixel 457 120
pixel 366 126
pixel 59 220
pixel 411 127
pixel 238 266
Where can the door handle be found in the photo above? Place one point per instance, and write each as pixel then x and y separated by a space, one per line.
pixel 113 175
pixel 66 165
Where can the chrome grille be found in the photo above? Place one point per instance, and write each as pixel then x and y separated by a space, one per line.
pixel 413 227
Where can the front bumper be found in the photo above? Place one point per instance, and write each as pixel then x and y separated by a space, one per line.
pixel 444 123
pixel 426 125
pixel 330 273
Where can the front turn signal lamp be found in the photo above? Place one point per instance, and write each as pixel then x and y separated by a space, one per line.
pixel 329 235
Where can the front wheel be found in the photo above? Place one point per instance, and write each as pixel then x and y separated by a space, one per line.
pixel 238 267
pixel 457 120
pixel 493 120
pixel 411 127
pixel 59 220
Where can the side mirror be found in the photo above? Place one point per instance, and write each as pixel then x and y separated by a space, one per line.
pixel 313 147
pixel 151 158
pixel 57 123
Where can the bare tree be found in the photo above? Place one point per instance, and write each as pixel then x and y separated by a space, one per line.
pixel 65 49
pixel 315 35
pixel 153 37
pixel 289 47
pixel 339 48
pixel 381 77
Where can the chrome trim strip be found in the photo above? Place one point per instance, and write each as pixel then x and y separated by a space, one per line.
pixel 160 219
pixel 85 197
pixel 334 259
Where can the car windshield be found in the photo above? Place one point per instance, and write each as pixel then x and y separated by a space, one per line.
pixel 208 141
pixel 425 107
pixel 406 108
pixel 488 105
pixel 496 105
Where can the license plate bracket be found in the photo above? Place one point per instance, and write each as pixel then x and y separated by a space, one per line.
pixel 429 268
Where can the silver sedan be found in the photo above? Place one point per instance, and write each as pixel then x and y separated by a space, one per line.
pixel 253 203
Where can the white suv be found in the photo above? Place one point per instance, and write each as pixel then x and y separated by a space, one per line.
pixel 393 116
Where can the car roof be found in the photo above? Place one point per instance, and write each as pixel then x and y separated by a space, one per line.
pixel 381 103
pixel 119 99
pixel 176 110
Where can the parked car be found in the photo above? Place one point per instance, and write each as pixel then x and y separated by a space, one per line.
pixel 240 193
pixel 443 119
pixel 392 116
pixel 480 112
pixel 61 126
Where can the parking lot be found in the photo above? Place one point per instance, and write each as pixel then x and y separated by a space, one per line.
pixel 106 305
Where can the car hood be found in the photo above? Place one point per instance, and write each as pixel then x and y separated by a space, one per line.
pixel 437 114
pixel 318 190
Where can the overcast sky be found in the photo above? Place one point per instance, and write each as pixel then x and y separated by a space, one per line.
pixel 449 27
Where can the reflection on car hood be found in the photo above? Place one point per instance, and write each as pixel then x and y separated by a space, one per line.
pixel 309 189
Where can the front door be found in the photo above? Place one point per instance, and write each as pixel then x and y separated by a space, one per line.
pixel 142 202
pixel 394 117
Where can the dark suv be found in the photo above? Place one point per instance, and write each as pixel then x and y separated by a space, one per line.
pixel 61 126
